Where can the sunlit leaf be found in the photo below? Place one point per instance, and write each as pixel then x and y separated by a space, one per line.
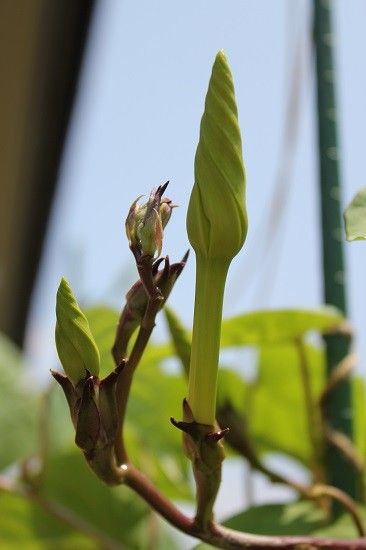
pixel 359 414
pixel 115 511
pixel 25 526
pixel 277 413
pixel 355 217
pixel 18 407
pixel 277 326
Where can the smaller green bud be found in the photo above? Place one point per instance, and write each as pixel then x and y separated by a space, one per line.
pixel 150 233
pixel 75 344
pixel 133 219
pixel 145 224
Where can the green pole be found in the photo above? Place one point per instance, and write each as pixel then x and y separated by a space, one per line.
pixel 339 408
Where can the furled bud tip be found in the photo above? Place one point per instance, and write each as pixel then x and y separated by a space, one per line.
pixel 145 224
pixel 217 220
pixel 75 344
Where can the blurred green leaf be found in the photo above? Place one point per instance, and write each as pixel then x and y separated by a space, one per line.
pixel 277 326
pixel 276 407
pixel 342 528
pixel 103 322
pixel 25 526
pixel 18 407
pixel 115 511
pixel 296 518
pixel 359 414
pixel 355 217
pixel 232 388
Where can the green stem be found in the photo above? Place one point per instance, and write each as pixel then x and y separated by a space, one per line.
pixel 210 284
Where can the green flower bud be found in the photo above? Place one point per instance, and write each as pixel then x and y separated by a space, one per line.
pixel 75 344
pixel 217 227
pixel 150 233
pixel 134 217
pixel 217 221
pixel 145 224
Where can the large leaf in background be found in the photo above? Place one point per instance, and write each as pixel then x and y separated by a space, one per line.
pixel 18 407
pixel 296 518
pixel 260 328
pixel 274 404
pixel 116 511
pixel 24 526
pixel 277 326
pixel 355 217
pixel 276 414
pixel 359 414
pixel 231 386
pixel 153 442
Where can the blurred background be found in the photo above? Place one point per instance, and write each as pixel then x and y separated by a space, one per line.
pixel 101 101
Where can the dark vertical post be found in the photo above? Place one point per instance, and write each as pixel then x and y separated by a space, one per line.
pixel 41 48
pixel 339 407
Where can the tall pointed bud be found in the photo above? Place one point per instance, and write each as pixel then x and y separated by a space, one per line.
pixel 217 220
pixel 217 227
pixel 75 344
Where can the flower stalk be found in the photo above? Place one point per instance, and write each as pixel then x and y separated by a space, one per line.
pixel 210 284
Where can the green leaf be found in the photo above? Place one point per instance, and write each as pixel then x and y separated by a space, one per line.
pixel 25 526
pixel 115 511
pixel 297 518
pixel 18 407
pixel 276 407
pixel 342 528
pixel 75 344
pixel 355 217
pixel 259 328
pixel 277 326
pixel 103 322
pixel 359 410
pixel 180 338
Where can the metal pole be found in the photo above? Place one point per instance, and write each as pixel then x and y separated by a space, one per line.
pixel 339 407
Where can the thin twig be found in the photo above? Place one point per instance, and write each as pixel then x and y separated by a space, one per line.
pixel 320 490
pixel 348 449
pixel 338 374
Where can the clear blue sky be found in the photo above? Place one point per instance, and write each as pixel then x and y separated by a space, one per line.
pixel 136 123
